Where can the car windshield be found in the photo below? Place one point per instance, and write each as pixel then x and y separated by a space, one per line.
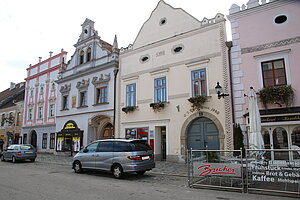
pixel 27 147
pixel 140 146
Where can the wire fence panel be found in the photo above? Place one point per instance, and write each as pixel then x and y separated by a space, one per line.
pixel 275 171
pixel 220 169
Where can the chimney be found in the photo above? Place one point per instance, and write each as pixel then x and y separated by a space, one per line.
pixel 40 59
pixel 12 85
pixel 50 52
pixel 62 50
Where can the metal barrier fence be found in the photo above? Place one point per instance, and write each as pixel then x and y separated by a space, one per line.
pixel 267 171
pixel 219 169
pixel 275 171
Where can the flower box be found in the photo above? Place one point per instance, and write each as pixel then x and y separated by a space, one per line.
pixel 197 101
pixel 280 95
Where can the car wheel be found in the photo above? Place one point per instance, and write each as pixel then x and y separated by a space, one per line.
pixel 140 172
pixel 32 160
pixel 2 158
pixel 14 160
pixel 77 167
pixel 117 171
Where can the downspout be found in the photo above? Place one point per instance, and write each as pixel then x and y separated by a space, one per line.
pixel 116 70
pixel 229 45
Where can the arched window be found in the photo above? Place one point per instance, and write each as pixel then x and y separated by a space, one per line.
pixel 296 142
pixel 280 140
pixel 81 58
pixel 266 137
pixel 88 54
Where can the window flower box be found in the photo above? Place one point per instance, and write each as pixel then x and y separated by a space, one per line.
pixel 128 109
pixel 280 95
pixel 197 101
pixel 157 106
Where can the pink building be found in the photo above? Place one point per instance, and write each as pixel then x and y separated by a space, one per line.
pixel 264 55
pixel 40 102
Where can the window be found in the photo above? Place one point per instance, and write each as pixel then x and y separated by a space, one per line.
pixel 106 147
pixel 30 114
pixel 160 91
pixel 280 19
pixel 101 95
pixel 18 119
pixel 31 92
pixel 44 141
pixel 40 112
pixel 199 82
pixel 52 141
pixel 92 147
pixel 65 102
pixel 131 95
pixel 273 73
pixel 53 86
pixel 88 54
pixel 83 99
pixel 81 57
pixel 24 138
pixel 51 110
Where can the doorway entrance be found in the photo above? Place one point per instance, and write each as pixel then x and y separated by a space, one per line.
pixel 203 134
pixel 33 138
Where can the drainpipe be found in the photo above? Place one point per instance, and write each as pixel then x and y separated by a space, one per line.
pixel 116 70
pixel 229 45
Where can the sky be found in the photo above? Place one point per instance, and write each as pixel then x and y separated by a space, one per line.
pixel 32 28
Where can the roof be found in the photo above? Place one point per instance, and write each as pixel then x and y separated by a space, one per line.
pixel 106 45
pixel 8 96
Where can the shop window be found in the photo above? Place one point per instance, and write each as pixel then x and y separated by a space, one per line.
pixel 101 95
pixel 160 90
pixel 24 138
pixel 137 133
pixel 280 141
pixel 131 95
pixel 296 142
pixel 44 141
pixel 273 73
pixel 88 54
pixel 81 57
pixel 266 137
pixel 199 82
pixel 52 141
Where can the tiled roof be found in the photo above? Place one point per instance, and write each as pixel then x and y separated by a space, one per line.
pixel 7 96
pixel 106 45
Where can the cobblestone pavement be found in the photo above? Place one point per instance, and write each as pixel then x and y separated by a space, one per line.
pixel 162 167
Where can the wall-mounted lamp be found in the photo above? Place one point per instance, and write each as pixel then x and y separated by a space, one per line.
pixel 219 91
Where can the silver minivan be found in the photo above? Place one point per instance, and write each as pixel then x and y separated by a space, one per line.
pixel 118 156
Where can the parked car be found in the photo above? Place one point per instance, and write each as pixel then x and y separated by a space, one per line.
pixel 18 152
pixel 118 156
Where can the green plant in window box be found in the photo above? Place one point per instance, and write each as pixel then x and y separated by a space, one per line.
pixel 197 101
pixel 157 106
pixel 128 109
pixel 280 95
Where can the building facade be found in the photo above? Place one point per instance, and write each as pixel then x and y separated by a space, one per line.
pixel 11 113
pixel 86 92
pixel 40 102
pixel 175 57
pixel 266 45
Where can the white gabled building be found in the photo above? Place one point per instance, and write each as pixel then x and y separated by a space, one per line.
pixel 86 92
pixel 173 58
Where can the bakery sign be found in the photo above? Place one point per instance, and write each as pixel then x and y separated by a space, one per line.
pixel 217 169
pixel 280 118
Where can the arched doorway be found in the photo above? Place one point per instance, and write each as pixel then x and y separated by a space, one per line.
pixel 102 127
pixel 108 131
pixel 33 138
pixel 203 134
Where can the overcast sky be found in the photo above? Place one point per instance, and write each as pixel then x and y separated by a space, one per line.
pixel 32 28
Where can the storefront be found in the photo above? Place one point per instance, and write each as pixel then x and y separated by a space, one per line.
pixel 69 139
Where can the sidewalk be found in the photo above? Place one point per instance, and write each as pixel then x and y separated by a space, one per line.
pixel 162 167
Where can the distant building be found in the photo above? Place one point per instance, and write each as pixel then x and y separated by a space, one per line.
pixel 40 102
pixel 86 92
pixel 11 113
pixel 265 56
pixel 176 57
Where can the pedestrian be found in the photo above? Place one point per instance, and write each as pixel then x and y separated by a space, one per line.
pixel 1 144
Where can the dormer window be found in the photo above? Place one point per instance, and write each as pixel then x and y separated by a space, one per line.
pixel 81 57
pixel 88 54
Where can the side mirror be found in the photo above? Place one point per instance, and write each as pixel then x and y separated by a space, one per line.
pixel 85 150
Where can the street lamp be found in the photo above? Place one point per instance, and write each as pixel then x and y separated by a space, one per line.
pixel 219 91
